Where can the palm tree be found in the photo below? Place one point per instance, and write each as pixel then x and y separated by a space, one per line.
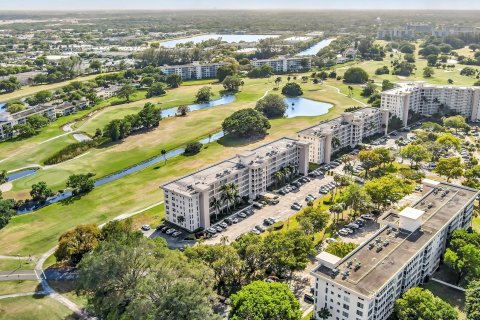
pixel 324 313
pixel 277 81
pixel 181 219
pixel 217 205
pixel 350 91
pixel 278 177
pixel 234 195
pixel 226 195
pixel 164 154
pixel 209 137
pixel 335 142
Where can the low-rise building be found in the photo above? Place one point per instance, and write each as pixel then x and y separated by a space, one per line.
pixel 106 93
pixel 404 253
pixel 284 64
pixel 348 130
pixel 189 201
pixel 427 99
pixel 195 70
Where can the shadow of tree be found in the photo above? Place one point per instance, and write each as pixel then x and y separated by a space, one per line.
pixel 232 141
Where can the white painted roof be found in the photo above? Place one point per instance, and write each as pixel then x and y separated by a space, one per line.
pixel 411 213
pixel 325 257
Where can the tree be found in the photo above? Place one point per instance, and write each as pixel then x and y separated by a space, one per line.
pixel 387 85
pixel 81 183
pixel 156 89
pixel 370 159
pixel 464 260
pixel 24 130
pixel 147 81
pixel 42 97
pixel 432 60
pixel 263 300
pixel 368 90
pixel 313 220
pixel 428 72
pixel 193 148
pixel 387 190
pixel 340 248
pixel 324 313
pixel 3 176
pixel 223 260
pixel 141 279
pixel 448 141
pixel 183 110
pixel 224 71
pixel 164 154
pixel 37 121
pixel 415 153
pixel 246 123
pixel 450 167
pixel 356 198
pixel 73 244
pixel 287 252
pixel 125 92
pixel 40 191
pixel 292 89
pixel 355 75
pixel 173 80
pixel 232 83
pixel 472 300
pixel 204 95
pixel 272 106
pixel 149 116
pixel 455 122
pixel 7 210
pixel 96 65
pixel 418 303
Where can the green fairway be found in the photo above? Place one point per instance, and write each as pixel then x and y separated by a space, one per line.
pixel 33 308
pixel 15 264
pixel 20 286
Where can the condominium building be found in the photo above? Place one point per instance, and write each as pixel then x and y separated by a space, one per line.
pixel 402 254
pixel 195 70
pixel 188 200
pixel 284 64
pixel 348 130
pixel 428 99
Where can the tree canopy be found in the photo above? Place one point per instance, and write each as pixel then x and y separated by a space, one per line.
pixel 292 89
pixel 355 75
pixel 272 106
pixel 246 123
pixel 263 300
pixel 418 303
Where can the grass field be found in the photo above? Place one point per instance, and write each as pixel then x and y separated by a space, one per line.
pixel 453 297
pixel 20 286
pixel 476 224
pixel 33 308
pixel 15 264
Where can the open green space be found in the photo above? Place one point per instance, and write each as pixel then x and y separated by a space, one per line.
pixel 452 296
pixel 20 286
pixel 15 264
pixel 33 308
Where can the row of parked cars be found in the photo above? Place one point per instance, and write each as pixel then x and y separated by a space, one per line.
pixel 328 187
pixel 168 231
pixel 352 227
pixel 222 226
pixel 294 185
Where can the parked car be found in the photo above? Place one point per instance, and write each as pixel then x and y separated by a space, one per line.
pixel 219 229
pixel 159 227
pixel 176 234
pixel 343 232
pixel 255 231
pixel 211 230
pixel 268 222
pixel 145 227
pixel 352 226
pixel 367 216
pixel 242 215
pixel 330 240
pixel 348 230
pixel 257 205
pixel 170 231
pixel 223 225
pixel 308 298
pixel 260 228
pixel 235 220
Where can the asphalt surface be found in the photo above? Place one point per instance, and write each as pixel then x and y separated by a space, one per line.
pixel 18 275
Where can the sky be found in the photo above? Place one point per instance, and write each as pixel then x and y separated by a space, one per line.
pixel 235 4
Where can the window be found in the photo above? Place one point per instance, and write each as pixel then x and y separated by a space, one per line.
pixel 360 305
pixel 360 313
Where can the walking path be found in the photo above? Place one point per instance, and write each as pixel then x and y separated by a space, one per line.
pixel 346 95
pixel 23 294
pixel 449 285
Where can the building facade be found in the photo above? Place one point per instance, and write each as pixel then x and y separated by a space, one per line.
pixel 428 99
pixel 189 200
pixel 285 64
pixel 195 70
pixel 403 254
pixel 348 130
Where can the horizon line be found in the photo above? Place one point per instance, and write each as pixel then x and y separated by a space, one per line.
pixel 233 9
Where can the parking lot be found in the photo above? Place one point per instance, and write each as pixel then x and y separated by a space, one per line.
pixel 280 211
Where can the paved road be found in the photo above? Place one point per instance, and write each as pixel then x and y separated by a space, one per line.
pixel 281 211
pixel 18 275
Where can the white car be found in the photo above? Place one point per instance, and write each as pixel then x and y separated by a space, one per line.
pixel 343 232
pixel 367 216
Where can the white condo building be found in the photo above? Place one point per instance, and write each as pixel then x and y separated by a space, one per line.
pixel 427 99
pixel 284 64
pixel 348 130
pixel 195 70
pixel 188 200
pixel 403 254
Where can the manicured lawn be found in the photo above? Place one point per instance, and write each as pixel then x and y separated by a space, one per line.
pixel 152 217
pixel 476 224
pixel 454 297
pixel 15 264
pixel 20 286
pixel 308 316
pixel 67 289
pixel 33 308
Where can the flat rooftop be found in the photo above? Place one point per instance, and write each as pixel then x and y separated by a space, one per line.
pixel 205 177
pixel 382 256
pixel 403 88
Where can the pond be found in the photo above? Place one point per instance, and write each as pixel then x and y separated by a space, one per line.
pixel 21 173
pixel 313 50
pixel 230 38
pixel 171 112
pixel 120 174
pixel 302 107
